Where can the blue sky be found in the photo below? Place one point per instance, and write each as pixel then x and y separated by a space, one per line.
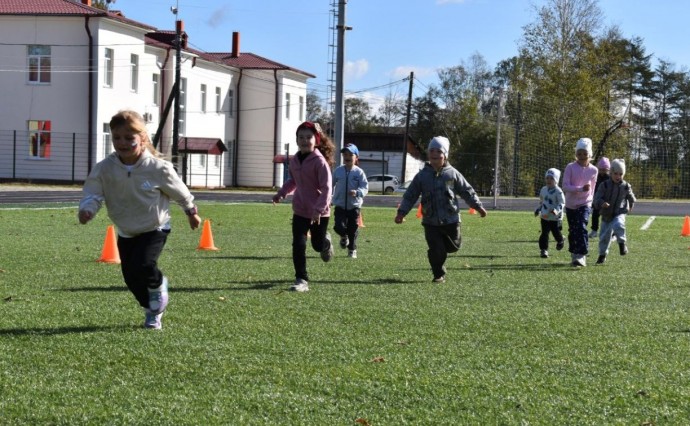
pixel 390 38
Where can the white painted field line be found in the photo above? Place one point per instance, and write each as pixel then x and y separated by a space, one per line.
pixel 648 223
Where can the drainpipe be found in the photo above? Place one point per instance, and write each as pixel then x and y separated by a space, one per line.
pixel 237 130
pixel 275 127
pixel 90 95
pixel 163 99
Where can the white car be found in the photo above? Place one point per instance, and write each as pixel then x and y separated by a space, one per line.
pixel 381 183
pixel 402 188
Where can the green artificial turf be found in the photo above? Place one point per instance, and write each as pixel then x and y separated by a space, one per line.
pixel 510 338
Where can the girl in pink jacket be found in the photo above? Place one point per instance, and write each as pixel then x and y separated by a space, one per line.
pixel 309 178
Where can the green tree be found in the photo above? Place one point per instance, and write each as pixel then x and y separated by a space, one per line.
pixel 358 115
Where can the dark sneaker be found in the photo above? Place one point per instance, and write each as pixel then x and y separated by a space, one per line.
pixel 623 249
pixel 300 286
pixel 344 241
pixel 152 321
pixel 158 297
pixel 601 259
pixel 544 254
pixel 559 245
pixel 440 279
pixel 327 252
pixel 593 234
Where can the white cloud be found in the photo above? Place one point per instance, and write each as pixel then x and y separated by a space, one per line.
pixel 403 71
pixel 356 70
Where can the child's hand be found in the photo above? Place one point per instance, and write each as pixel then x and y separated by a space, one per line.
pixel 353 193
pixel 85 216
pixel 194 221
pixel 536 212
pixel 316 218
pixel 399 219
pixel 585 188
pixel 482 211
pixel 276 199
pixel 605 205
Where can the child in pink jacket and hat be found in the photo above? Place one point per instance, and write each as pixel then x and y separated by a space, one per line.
pixel 309 178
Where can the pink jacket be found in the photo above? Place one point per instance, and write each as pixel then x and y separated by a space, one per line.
pixel 575 178
pixel 311 182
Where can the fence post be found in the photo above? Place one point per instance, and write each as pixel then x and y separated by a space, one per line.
pixel 14 154
pixel 74 143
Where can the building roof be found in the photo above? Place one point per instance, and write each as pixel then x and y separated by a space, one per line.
pixel 61 8
pixel 202 145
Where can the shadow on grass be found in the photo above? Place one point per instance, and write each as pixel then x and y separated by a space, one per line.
pixel 245 257
pixel 65 330
pixel 270 285
pixel 544 267
pixel 77 289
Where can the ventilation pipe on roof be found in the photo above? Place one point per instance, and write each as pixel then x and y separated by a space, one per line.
pixel 235 45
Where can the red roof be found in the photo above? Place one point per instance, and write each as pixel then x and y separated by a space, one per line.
pixel 202 145
pixel 60 8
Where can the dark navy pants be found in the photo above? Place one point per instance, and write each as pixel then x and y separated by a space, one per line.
pixel 441 240
pixel 346 225
pixel 578 239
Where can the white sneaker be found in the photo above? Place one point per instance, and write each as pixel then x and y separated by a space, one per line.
pixel 300 286
pixel 352 254
pixel 158 297
pixel 152 320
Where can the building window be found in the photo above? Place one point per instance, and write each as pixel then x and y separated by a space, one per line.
pixel 301 108
pixel 231 103
pixel 155 79
pixel 183 106
pixel 39 139
pixel 203 98
pixel 108 67
pixel 216 161
pixel 287 106
pixel 134 72
pixel 218 100
pixel 107 140
pixel 39 64
pixel 202 160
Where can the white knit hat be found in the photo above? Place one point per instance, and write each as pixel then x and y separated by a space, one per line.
pixel 555 174
pixel 586 144
pixel 439 142
pixel 618 165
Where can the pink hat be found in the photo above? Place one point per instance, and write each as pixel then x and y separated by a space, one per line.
pixel 604 163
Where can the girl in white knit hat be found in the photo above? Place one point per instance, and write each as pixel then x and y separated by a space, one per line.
pixel 579 180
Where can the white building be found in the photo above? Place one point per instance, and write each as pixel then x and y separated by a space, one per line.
pixel 68 67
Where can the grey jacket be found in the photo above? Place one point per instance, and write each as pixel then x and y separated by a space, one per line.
pixel 439 192
pixel 619 196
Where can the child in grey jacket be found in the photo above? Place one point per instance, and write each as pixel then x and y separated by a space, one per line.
pixel 551 204
pixel 439 185
pixel 614 199
pixel 350 185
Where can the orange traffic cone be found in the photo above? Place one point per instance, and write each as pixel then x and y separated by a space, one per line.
pixel 686 227
pixel 110 253
pixel 420 214
pixel 206 242
pixel 472 211
pixel 360 220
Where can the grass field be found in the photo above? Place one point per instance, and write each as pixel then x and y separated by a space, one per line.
pixel 509 339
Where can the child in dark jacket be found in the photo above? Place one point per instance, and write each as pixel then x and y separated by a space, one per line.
pixel 604 166
pixel 439 185
pixel 615 199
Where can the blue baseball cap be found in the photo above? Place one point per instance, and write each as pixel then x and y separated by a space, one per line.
pixel 352 148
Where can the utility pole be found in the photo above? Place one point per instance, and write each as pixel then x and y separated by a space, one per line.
pixel 176 109
pixel 403 176
pixel 499 113
pixel 339 90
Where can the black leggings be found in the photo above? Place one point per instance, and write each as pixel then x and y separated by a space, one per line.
pixel 300 227
pixel 139 256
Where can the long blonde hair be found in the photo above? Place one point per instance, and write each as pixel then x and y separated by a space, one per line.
pixel 133 121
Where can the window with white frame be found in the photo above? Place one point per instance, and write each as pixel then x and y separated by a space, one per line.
pixel 155 82
pixel 108 67
pixel 216 161
pixel 39 138
pixel 134 72
pixel 231 103
pixel 218 100
pixel 183 105
pixel 203 98
pixel 38 57
pixel 107 140
pixel 287 106
pixel 301 108
pixel 202 160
